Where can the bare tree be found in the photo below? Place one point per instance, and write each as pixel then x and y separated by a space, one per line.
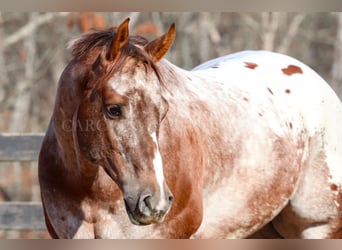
pixel 290 32
pixel 22 90
pixel 32 25
pixel 336 72
pixel 276 30
pixel 269 26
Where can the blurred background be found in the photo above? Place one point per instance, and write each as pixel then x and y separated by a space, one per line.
pixel 33 53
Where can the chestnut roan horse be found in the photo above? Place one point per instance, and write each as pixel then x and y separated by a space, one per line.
pixel 139 148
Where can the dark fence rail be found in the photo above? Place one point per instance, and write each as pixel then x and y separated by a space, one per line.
pixel 20 147
pixel 20 215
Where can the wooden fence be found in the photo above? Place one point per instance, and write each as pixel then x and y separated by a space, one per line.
pixel 20 215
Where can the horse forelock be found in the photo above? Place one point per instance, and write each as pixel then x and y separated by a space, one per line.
pixel 99 40
pixel 92 49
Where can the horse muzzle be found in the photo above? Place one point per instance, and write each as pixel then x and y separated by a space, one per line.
pixel 148 208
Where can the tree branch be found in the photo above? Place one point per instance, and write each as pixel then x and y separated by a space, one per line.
pixel 291 32
pixel 30 27
pixel 251 22
pixel 270 25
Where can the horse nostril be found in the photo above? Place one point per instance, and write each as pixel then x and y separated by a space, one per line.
pixel 150 205
pixel 170 199
pixel 145 205
pixel 147 201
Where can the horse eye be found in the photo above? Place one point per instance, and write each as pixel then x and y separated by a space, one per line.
pixel 114 110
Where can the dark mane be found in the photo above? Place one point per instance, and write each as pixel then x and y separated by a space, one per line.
pixel 97 43
pixel 99 40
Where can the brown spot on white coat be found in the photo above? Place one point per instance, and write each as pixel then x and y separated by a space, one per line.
pixel 292 69
pixel 250 65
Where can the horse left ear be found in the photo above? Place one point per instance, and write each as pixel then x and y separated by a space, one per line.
pixel 120 39
pixel 158 47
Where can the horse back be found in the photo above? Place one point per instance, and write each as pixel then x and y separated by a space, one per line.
pixel 303 113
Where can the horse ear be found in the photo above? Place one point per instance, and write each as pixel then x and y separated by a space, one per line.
pixel 158 47
pixel 120 39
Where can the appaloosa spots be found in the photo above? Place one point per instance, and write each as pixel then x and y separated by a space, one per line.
pixel 333 187
pixel 269 90
pixel 292 69
pixel 250 65
pixel 290 125
pixel 238 170
pixel 287 91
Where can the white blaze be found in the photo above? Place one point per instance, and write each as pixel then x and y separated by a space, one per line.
pixel 158 169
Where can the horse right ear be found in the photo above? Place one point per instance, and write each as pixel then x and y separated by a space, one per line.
pixel 120 40
pixel 158 47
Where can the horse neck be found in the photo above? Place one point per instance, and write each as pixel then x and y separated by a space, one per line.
pixel 186 95
pixel 197 103
pixel 182 87
pixel 64 123
pixel 177 80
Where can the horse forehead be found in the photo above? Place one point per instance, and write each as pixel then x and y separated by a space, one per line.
pixel 123 82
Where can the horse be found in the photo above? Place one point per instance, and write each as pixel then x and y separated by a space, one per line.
pixel 139 148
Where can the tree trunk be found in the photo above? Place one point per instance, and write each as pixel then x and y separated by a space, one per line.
pixel 21 106
pixel 336 74
pixel 270 25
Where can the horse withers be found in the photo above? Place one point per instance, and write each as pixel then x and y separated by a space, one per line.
pixel 139 148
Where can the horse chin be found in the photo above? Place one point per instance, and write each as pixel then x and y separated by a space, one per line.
pixel 137 222
pixel 142 220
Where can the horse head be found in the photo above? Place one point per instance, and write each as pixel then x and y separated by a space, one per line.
pixel 115 121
